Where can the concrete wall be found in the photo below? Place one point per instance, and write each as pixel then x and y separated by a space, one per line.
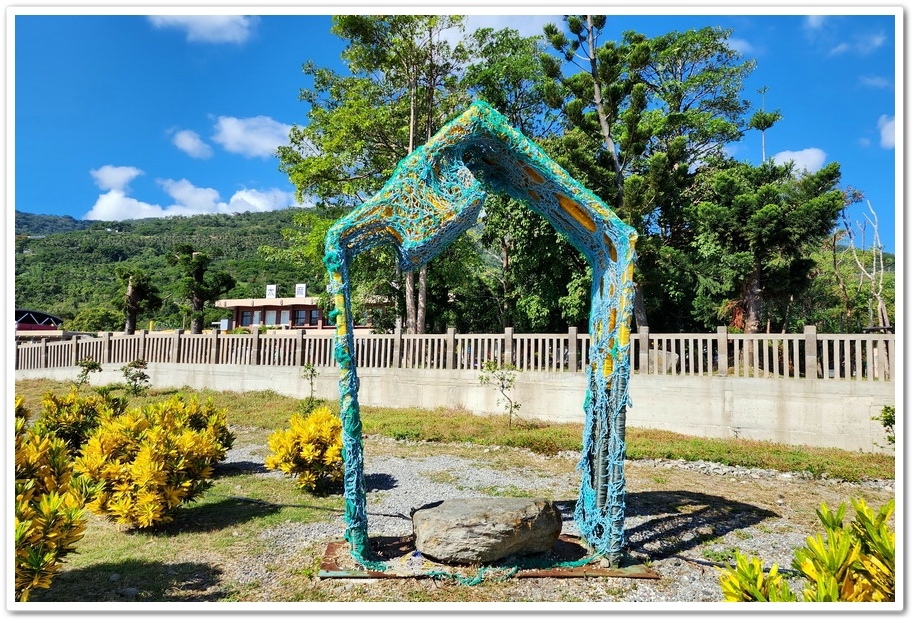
pixel 820 413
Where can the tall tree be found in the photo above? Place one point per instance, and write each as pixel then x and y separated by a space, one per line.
pixel 756 229
pixel 868 257
pixel 198 284
pixel 528 277
pixel 838 299
pixel 140 295
pixel 599 90
pixel 763 121
pixel 653 110
pixel 360 126
pixel 93 319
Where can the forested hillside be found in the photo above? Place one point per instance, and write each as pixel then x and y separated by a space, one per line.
pixel 70 269
pixel 44 224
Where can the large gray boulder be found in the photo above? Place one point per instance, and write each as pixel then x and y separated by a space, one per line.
pixel 482 530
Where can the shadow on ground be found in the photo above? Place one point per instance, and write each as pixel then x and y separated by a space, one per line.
pixel 134 580
pixel 380 482
pixel 664 524
pixel 212 516
pixel 237 468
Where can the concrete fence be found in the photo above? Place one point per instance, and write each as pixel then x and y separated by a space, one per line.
pixel 809 389
pixel 861 357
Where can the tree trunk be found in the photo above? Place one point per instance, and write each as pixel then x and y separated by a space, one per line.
pixel 753 298
pixel 197 316
pixel 410 301
pixel 130 323
pixel 884 319
pixel 639 308
pixel 130 306
pixel 602 115
pixel 506 284
pixel 420 325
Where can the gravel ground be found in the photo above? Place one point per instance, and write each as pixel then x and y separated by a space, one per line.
pixel 683 518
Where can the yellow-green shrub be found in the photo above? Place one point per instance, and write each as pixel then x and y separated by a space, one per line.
pixel 850 563
pixel 49 504
pixel 309 449
pixel 74 416
pixel 149 460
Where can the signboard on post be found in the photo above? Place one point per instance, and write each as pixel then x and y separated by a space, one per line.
pixel 300 290
pixel 271 292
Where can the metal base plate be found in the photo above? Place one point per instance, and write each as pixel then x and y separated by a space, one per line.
pixel 401 560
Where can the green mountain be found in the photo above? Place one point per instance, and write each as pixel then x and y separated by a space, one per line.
pixel 71 264
pixel 70 267
pixel 45 224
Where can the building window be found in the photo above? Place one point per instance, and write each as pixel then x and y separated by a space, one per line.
pixel 246 318
pixel 299 317
pixel 270 317
pixel 313 317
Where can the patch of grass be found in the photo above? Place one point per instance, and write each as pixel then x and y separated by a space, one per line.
pixel 721 556
pixel 842 464
pixel 509 491
pixel 459 425
pixel 442 477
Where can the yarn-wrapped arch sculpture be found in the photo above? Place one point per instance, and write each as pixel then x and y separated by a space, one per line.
pixel 434 195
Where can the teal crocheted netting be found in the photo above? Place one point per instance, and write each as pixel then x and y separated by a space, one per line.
pixel 433 196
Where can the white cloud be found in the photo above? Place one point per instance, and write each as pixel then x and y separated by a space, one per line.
pixel 253 136
pixel 866 44
pixel 110 177
pixel 526 25
pixel 190 143
pixel 209 28
pixel 742 46
pixel 814 22
pixel 195 200
pixel 810 159
pixel 887 128
pixel 116 205
pixel 875 82
pixel 250 200
pixel 862 44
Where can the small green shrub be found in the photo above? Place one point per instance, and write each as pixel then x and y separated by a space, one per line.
pixel 850 563
pixel 310 372
pixel 149 460
pixel 73 417
pixel 888 419
pixel 310 450
pixel 87 365
pixel 136 377
pixel 49 517
pixel 502 377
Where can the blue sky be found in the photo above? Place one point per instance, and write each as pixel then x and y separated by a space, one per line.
pixel 130 116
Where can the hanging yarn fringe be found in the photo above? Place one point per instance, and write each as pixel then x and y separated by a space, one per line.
pixel 433 196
